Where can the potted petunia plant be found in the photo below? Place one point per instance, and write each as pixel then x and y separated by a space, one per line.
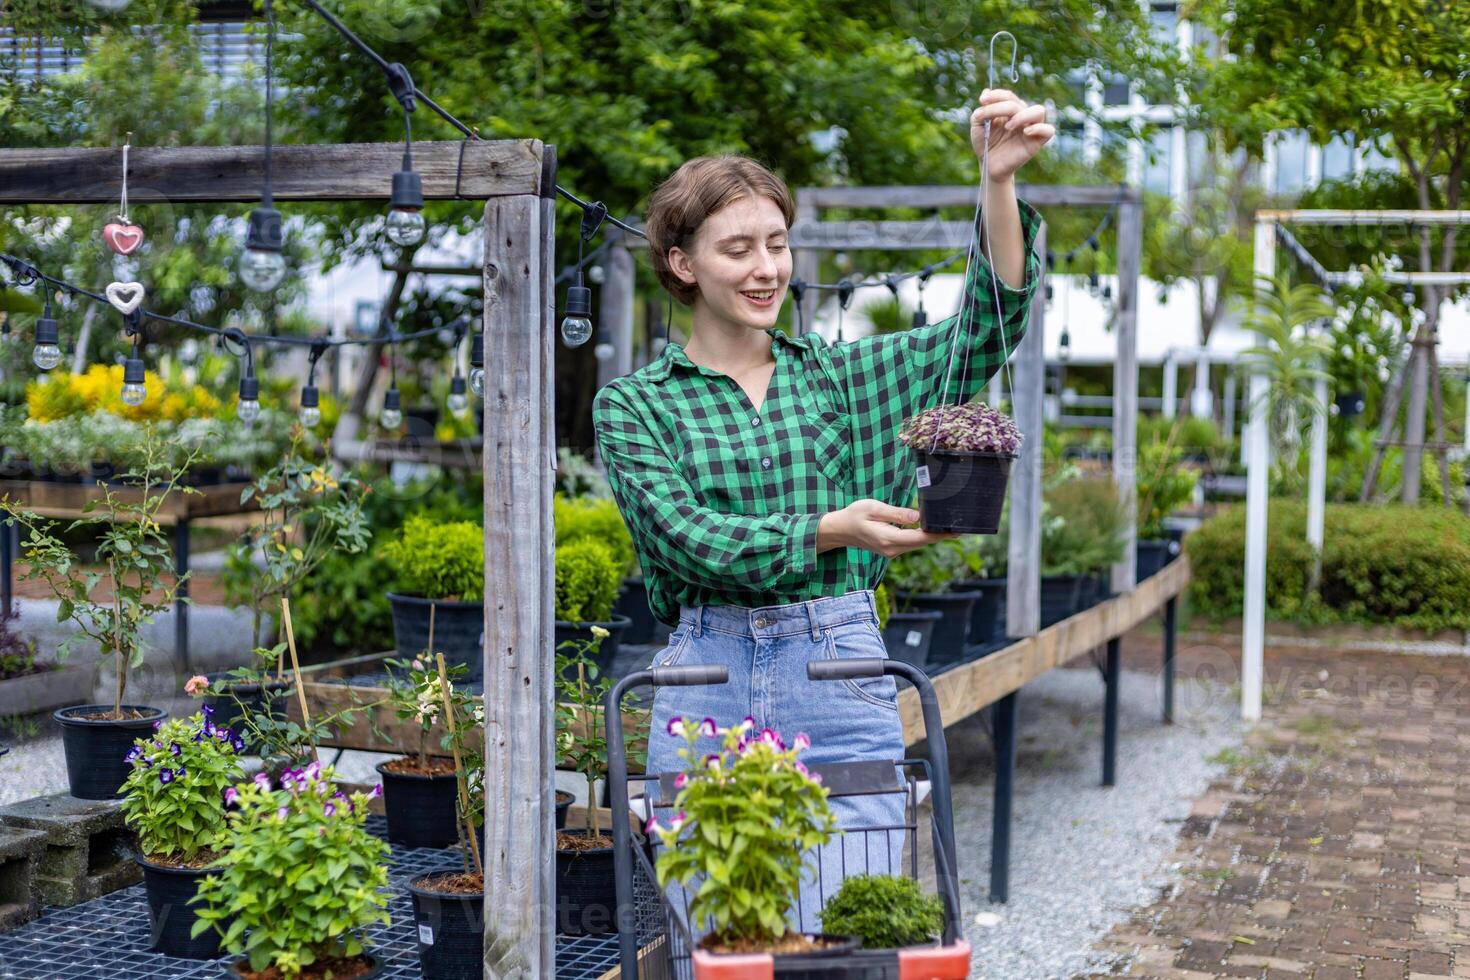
pixel 299 880
pixel 743 821
pixel 963 455
pixel 137 566
pixel 174 799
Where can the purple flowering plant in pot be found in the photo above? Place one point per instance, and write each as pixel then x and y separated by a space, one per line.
pixel 299 880
pixel 174 800
pixel 752 798
pixel 963 455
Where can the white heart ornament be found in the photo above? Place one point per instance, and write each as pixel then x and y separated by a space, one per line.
pixel 125 297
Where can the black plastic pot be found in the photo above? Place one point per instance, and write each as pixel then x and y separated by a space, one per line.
pixel 907 635
pixel 1152 554
pixel 420 809
pixel 965 491
pixel 608 651
pixel 240 968
pixel 459 629
pixel 96 751
pixel 450 929
pixel 633 603
pixel 170 914
pixel 1176 542
pixel 947 643
pixel 586 891
pixel 563 804
pixel 1350 404
pixel 232 700
pixel 988 615
pixel 1065 595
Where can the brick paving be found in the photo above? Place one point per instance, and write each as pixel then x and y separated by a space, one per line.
pixel 1335 848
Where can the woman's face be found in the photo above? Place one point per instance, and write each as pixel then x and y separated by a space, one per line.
pixel 740 259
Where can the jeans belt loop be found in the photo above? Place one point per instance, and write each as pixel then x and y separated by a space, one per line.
pixel 811 614
pixel 698 620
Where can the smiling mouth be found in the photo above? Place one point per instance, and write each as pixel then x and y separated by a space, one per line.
pixel 759 296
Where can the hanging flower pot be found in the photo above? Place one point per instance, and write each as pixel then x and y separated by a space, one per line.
pixel 963 456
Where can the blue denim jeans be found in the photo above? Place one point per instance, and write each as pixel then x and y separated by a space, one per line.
pixel 766 651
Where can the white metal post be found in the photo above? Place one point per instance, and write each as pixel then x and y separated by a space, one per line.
pixel 1317 479
pixel 1171 384
pixel 1253 631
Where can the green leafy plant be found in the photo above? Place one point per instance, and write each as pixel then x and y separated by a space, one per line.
pixel 417 697
pixel 437 559
pixel 174 795
pixel 17 654
pixel 883 604
pixel 588 574
pixel 884 911
pixel 307 513
pixel 597 518
pixel 928 569
pixel 581 736
pixel 300 876
pixel 1164 485
pixel 744 816
pixel 1082 529
pixel 136 561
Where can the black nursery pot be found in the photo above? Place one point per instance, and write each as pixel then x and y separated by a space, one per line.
pixel 458 631
pixel 171 915
pixel 951 632
pixel 586 891
pixel 633 603
pixel 450 928
pixel 1152 555
pixel 420 809
pixel 1065 595
pixel 965 491
pixel 988 615
pixel 908 634
pixel 96 751
pixel 605 655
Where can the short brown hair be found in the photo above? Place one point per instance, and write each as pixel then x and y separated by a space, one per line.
pixel 691 194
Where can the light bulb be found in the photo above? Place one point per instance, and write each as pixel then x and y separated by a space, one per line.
pixel 603 351
pixel 262 270
pixel 392 416
pixel 405 227
pixel 248 409
pixel 46 356
pixel 133 389
pixel 477 381
pixel 133 394
pixel 457 400
pixel 311 417
pixel 576 330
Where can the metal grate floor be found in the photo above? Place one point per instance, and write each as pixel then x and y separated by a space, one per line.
pixel 107 938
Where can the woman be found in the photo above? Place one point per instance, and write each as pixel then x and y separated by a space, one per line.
pixel 761 475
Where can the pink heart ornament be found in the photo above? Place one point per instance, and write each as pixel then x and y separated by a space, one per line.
pixel 125 297
pixel 123 239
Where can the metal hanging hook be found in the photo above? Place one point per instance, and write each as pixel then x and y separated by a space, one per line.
pixel 1015 50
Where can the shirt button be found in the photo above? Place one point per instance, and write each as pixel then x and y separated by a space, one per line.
pixel 765 462
pixel 755 420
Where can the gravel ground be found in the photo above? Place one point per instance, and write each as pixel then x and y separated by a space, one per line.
pixel 1081 855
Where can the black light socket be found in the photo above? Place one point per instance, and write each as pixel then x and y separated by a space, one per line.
pixel 310 397
pixel 265 232
pixel 456 385
pixel 920 319
pixel 579 301
pixel 390 400
pixel 477 351
pixel 249 389
pixel 47 331
pixel 133 371
pixel 408 192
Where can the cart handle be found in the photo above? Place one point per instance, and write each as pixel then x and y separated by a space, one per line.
pixel 845 670
pixel 689 676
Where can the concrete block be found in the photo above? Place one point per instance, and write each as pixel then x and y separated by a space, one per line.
pixel 88 852
pixel 20 860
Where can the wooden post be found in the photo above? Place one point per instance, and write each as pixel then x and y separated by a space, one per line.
pixel 1125 389
pixel 807 261
pixel 1028 374
pixel 616 311
pixel 1253 626
pixel 519 458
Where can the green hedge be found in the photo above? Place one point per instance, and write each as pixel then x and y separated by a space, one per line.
pixel 1404 566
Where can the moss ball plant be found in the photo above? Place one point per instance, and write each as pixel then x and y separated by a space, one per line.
pixel 436 559
pixel 598 518
pixel 884 911
pixel 588 573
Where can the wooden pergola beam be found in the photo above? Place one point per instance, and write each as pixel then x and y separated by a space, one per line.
pixel 963 195
pixel 337 172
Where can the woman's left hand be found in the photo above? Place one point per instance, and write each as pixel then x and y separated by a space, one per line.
pixel 1017 131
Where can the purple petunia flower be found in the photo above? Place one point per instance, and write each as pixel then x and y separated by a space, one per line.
pixel 681 780
pixel 158 724
pixel 329 810
pixel 174 748
pixel 803 741
pixel 134 754
pixel 263 781
pixel 712 761
pixel 207 710
pixel 676 727
pixel 181 772
pixel 312 772
pixel 165 776
pixel 238 744
pixel 708 728
pixel 231 794
pixel 376 792
pixel 283 813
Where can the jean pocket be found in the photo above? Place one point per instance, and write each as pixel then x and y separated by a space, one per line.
pixel 858 641
pixel 674 651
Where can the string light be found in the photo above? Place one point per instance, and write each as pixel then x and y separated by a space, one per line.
pixel 262 265
pixel 392 416
pixel 457 401
pixel 405 226
pixel 576 325
pixel 135 385
pixel 477 365
pixel 47 352
pixel 311 412
pixel 248 408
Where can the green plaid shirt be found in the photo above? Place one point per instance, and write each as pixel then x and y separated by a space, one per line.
pixel 723 500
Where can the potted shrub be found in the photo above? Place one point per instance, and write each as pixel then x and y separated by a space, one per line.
pixel 587 576
pixel 137 562
pixel 963 454
pixel 298 881
pixel 439 566
pixel 448 906
pixel 906 635
pixel 1164 484
pixel 306 514
pixel 598 518
pixel 419 791
pixel 898 925
pixel 922 580
pixel 753 797
pixel 1081 536
pixel 586 889
pixel 174 800
pixel 986 559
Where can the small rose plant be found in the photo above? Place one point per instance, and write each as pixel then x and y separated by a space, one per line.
pixel 300 878
pixel 972 427
pixel 743 818
pixel 174 795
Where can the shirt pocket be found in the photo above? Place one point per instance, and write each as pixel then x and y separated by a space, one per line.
pixel 716 467
pixel 829 434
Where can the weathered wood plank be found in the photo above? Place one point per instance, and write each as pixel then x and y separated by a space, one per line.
pixel 69 500
pixel 1023 550
pixel 962 195
pixel 1125 390
pixel 327 172
pixel 966 689
pixel 888 235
